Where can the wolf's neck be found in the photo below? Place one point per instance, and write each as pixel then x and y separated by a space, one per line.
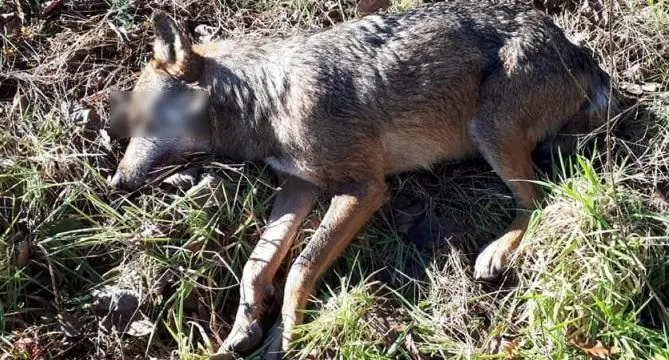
pixel 246 99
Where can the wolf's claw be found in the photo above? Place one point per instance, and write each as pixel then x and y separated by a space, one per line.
pixel 244 337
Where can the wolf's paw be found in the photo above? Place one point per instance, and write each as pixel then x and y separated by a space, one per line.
pixel 492 261
pixel 243 337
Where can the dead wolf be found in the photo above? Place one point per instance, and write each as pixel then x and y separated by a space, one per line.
pixel 338 110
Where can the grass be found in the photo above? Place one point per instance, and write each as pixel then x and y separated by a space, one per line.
pixel 590 279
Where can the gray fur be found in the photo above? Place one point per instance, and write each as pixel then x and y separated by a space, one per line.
pixel 359 77
pixel 311 100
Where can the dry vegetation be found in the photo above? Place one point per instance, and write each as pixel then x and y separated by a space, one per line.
pixel 86 272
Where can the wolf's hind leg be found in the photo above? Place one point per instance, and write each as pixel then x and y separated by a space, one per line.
pixel 294 201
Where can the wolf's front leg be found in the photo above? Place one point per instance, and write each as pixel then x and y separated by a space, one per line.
pixel 294 201
pixel 350 208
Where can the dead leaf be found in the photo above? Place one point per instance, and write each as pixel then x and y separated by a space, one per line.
pixel 371 6
pixel 501 345
pixel 130 323
pixel 165 281
pixel 417 220
pixel 634 73
pixel 406 212
pixel 25 345
pixel 206 32
pixel 22 253
pixel 140 327
pixel 87 6
pixel 640 89
pixel 597 350
pixel 508 347
pixel 20 103
pixel 579 38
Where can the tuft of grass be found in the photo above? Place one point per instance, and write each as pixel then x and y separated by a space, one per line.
pixel 341 327
pixel 593 269
pixel 450 321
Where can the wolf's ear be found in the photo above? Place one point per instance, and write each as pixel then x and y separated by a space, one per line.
pixel 172 50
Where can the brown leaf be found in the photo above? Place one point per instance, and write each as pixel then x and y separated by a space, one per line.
pixel 504 346
pixel 25 345
pixel 371 6
pixel 22 253
pixel 597 350
pixel 508 347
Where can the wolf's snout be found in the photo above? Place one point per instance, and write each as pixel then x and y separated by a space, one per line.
pixel 129 179
pixel 140 156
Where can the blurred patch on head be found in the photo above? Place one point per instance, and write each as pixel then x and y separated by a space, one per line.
pixel 172 113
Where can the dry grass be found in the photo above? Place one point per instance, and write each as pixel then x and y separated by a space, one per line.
pixel 92 273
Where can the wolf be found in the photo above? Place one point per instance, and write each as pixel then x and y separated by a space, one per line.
pixel 335 111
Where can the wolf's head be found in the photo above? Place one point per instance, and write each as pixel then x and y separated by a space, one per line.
pixel 166 113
